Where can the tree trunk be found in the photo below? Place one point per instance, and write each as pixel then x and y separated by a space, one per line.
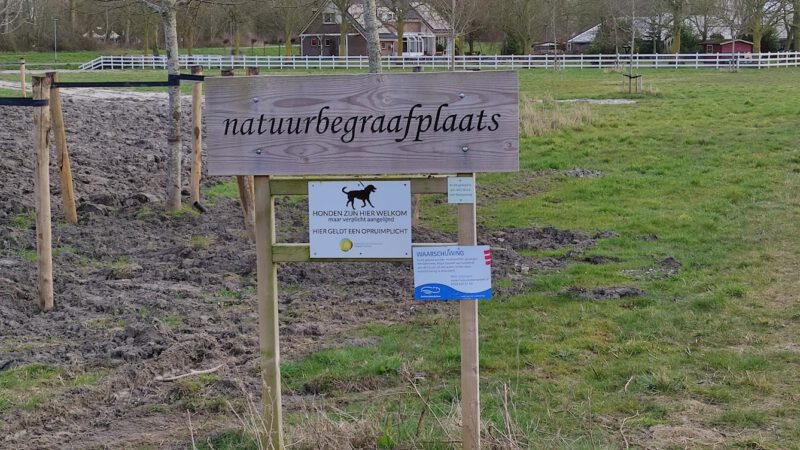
pixel 401 25
pixel 4 17
pixel 676 35
pixel 343 29
pixel 287 40
pixel 524 45
pixel 288 45
pixel 237 39
pixel 373 39
pixel 190 40
pixel 796 24
pixel 174 128
pixel 73 16
pixel 758 31
pixel 146 40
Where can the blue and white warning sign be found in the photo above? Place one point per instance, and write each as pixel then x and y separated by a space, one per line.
pixel 452 273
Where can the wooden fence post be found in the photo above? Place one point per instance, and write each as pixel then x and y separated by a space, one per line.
pixel 62 152
pixel 268 330
pixel 22 84
pixel 41 186
pixel 246 192
pixel 197 135
pixel 468 309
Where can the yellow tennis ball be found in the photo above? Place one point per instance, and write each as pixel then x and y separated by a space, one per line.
pixel 346 245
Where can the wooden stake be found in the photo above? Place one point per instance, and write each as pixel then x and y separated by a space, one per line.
pixel 22 84
pixel 62 153
pixel 197 135
pixel 268 331
pixel 416 203
pixel 470 379
pixel 246 190
pixel 41 187
pixel 246 195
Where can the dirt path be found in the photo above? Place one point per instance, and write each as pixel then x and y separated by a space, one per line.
pixel 100 94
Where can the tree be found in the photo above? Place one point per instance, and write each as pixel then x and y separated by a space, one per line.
pixel 344 26
pixel 187 23
pixel 289 16
pixel 705 16
pixel 236 17
pixel 796 24
pixel 520 21
pixel 462 16
pixel 10 14
pixel 168 10
pixel 677 11
pixel 757 16
pixel 397 20
pixel 373 38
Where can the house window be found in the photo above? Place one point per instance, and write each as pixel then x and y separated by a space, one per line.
pixel 328 17
pixel 709 49
pixel 387 16
pixel 314 42
pixel 327 42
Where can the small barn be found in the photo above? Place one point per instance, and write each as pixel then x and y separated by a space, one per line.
pixel 737 45
pixel 581 42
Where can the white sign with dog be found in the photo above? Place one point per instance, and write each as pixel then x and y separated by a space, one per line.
pixel 359 219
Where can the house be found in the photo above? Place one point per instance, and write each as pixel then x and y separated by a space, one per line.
pixel 424 31
pixel 737 45
pixel 581 42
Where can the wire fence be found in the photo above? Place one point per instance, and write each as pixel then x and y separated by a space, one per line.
pixel 480 62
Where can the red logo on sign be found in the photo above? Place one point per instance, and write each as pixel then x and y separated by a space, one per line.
pixel 487 257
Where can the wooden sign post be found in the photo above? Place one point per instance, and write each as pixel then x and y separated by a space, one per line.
pixel 289 131
pixel 468 317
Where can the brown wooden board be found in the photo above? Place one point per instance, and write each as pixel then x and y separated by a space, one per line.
pixel 363 124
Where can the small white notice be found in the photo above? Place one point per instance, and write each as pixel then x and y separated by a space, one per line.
pixel 453 273
pixel 359 219
pixel 460 190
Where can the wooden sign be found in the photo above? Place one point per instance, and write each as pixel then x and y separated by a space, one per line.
pixel 363 124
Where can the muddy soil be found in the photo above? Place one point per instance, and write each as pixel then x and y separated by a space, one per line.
pixel 142 294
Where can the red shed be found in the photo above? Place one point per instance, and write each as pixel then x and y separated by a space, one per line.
pixel 738 45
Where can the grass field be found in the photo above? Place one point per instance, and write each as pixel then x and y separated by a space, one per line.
pixel 706 170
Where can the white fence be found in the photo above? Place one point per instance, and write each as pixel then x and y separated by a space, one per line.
pixel 487 62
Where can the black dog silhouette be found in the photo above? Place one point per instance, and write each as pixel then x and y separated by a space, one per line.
pixel 362 195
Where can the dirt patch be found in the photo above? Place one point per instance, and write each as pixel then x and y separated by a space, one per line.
pixel 140 293
pixel 578 172
pixel 665 268
pixel 599 101
pixel 606 293
pixel 548 238
pixel 514 185
pixel 689 433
